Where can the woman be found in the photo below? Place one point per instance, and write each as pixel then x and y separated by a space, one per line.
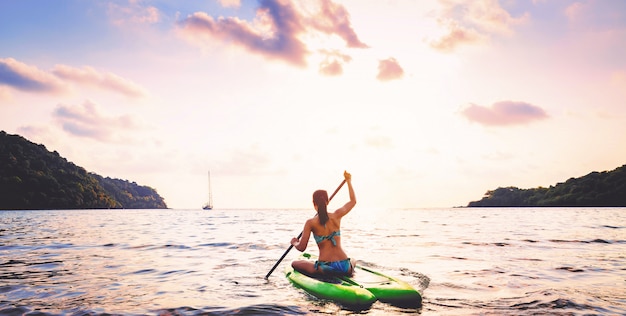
pixel 326 231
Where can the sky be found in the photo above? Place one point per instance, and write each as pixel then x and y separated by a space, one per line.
pixel 427 103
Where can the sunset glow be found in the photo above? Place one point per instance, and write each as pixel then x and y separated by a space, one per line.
pixel 426 103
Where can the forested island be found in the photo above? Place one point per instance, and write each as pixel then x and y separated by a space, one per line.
pixel 33 178
pixel 602 189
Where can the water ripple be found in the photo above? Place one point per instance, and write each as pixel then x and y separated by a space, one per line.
pixel 173 262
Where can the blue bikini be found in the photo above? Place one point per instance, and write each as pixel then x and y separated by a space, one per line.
pixel 332 267
pixel 331 237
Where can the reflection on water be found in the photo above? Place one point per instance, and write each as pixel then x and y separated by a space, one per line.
pixel 466 261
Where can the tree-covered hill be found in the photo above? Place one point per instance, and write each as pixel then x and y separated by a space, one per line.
pixel 31 177
pixel 130 195
pixel 607 188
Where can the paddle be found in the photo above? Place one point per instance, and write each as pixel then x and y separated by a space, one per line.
pixel 291 246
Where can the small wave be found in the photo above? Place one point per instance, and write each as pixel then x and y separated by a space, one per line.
pixel 175 272
pixel 597 240
pixel 169 246
pixel 528 259
pixel 57 246
pixel 264 309
pixel 144 271
pixel 499 244
pixel 421 281
pixel 601 241
pixel 261 309
pixel 36 264
pixel 17 311
pixel 613 227
pixel 12 262
pixel 570 269
pixel 138 247
pixel 150 247
pixel 217 244
pixel 8 288
pixel 554 305
pixel 242 246
pixel 403 236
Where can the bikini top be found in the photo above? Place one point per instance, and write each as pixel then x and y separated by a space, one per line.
pixel 331 237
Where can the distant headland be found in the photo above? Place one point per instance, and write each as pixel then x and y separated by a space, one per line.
pixel 601 189
pixel 33 178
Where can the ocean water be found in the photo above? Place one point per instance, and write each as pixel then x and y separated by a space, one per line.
pixel 515 261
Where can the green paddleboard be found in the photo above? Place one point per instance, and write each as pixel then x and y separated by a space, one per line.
pixel 362 289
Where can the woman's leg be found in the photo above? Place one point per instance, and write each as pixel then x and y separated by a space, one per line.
pixel 304 266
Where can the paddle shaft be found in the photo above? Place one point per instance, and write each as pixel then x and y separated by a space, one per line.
pixel 291 246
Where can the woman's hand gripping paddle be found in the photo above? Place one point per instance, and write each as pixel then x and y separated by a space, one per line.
pixel 291 246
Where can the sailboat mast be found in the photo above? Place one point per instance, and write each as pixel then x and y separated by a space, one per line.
pixel 210 195
pixel 209 204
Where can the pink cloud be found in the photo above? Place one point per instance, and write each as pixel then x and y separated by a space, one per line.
pixel 282 42
pixel 275 33
pixel 245 161
pixel 473 21
pixel 230 3
pixel 335 19
pixel 333 63
pixel 331 68
pixel 379 141
pixel 20 76
pixel 574 11
pixel 133 14
pixel 389 69
pixel 28 78
pixel 504 113
pixel 86 121
pixel 490 17
pixel 90 76
pixel 5 94
pixel 595 16
pixel 456 37
pixel 618 79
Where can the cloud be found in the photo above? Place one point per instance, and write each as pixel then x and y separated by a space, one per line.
pixel 379 142
pixel 275 37
pixel 488 16
pixel 335 19
pixel 276 30
pixel 90 76
pixel 618 79
pixel 86 121
pixel 333 63
pixel 20 76
pixel 389 69
pixel 472 22
pixel 246 161
pixel 230 3
pixel 574 11
pixel 504 113
pixel 595 16
pixel 5 94
pixel 28 78
pixel 456 36
pixel 133 14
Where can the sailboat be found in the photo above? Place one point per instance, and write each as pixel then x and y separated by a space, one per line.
pixel 209 204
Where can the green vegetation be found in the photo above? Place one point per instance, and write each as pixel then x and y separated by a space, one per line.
pixel 607 188
pixel 31 177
